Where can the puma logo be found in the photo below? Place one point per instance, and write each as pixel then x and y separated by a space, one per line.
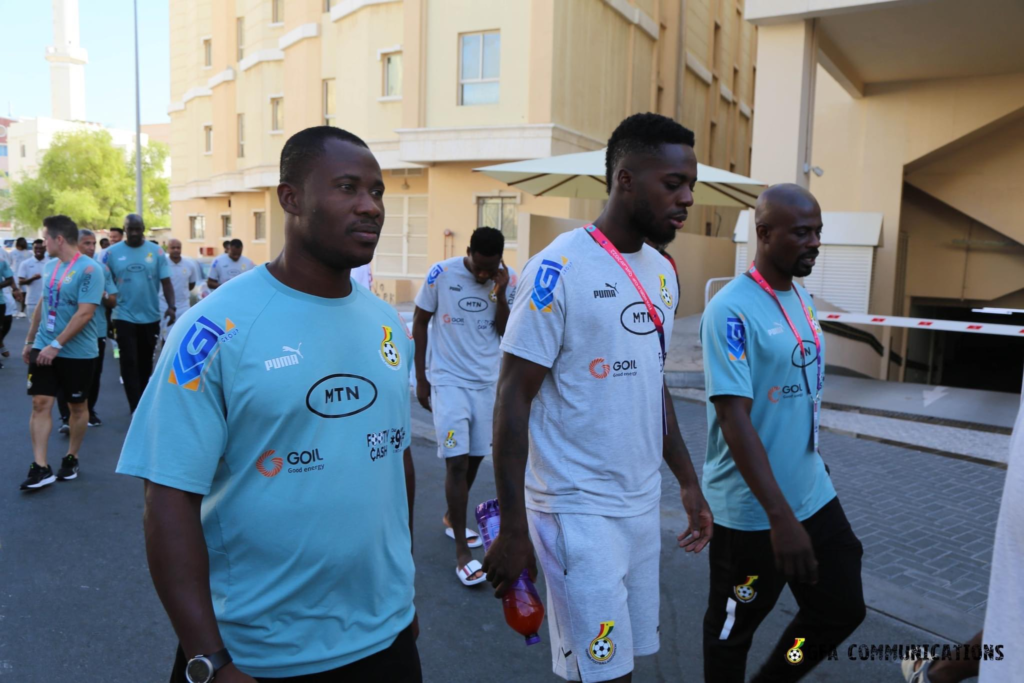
pixel 298 352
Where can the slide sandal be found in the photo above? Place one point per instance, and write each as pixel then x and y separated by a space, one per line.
pixel 472 568
pixel 472 537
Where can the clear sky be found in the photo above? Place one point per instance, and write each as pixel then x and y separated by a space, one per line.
pixel 107 34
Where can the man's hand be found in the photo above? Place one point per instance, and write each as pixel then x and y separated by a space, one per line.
pixel 231 674
pixel 794 554
pixel 46 356
pixel 509 555
pixel 501 278
pixel 18 295
pixel 423 392
pixel 698 533
pixel 416 626
pixel 26 352
pixel 171 314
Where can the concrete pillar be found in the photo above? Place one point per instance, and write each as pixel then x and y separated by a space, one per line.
pixel 784 102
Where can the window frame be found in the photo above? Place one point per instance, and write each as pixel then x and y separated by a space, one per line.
pixel 505 197
pixel 277 114
pixel 259 225
pixel 327 5
pixel 225 226
pixel 405 237
pixel 195 219
pixel 276 12
pixel 240 134
pixel 207 138
pixel 385 58
pixel 480 80
pixel 207 53
pixel 326 97
pixel 239 38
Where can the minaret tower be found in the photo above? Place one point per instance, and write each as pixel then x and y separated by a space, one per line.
pixel 67 63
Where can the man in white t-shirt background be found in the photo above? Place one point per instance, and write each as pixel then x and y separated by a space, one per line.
pixel 468 298
pixel 30 274
pixel 185 274
pixel 229 266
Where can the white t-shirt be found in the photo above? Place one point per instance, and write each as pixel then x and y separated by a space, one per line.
pixel 182 273
pixel 224 268
pixel 463 349
pixel 18 257
pixel 363 276
pixel 28 268
pixel 596 424
pixel 8 293
pixel 1004 615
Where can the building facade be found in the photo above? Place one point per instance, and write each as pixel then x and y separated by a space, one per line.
pixel 438 88
pixel 911 111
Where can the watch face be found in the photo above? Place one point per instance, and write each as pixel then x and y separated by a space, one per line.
pixel 199 670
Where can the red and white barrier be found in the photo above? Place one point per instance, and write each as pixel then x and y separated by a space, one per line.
pixel 923 323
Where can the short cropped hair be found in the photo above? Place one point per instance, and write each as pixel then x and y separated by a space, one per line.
pixel 120 230
pixel 85 232
pixel 643 133
pixel 21 242
pixel 235 243
pixel 487 242
pixel 61 226
pixel 37 241
pixel 306 146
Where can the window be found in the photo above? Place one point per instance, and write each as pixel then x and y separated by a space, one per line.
pixel 393 75
pixel 207 53
pixel 480 69
pixel 500 213
pixel 402 249
pixel 225 225
pixel 276 114
pixel 327 5
pixel 3 150
pixel 197 227
pixel 277 11
pixel 23 150
pixel 240 38
pixel 241 136
pixel 208 139
pixel 260 231
pixel 328 91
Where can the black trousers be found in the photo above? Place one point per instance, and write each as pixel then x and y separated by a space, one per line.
pixel 137 343
pixel 399 663
pixel 745 586
pixel 6 318
pixel 94 391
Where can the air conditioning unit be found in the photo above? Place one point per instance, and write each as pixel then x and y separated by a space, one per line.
pixel 399 172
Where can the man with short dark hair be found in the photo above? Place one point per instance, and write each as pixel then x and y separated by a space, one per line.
pixel 104 243
pixel 227 245
pixel 87 247
pixel 272 595
pixel 468 299
pixel 229 265
pixel 582 393
pixel 777 518
pixel 19 255
pixel 61 348
pixel 140 270
pixel 30 274
pixel 185 274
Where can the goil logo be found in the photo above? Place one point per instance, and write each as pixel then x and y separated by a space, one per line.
pixel 599 369
pixel 790 391
pixel 261 464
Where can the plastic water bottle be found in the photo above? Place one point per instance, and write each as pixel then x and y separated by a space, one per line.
pixel 524 611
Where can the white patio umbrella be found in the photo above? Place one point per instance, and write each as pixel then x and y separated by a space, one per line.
pixel 581 176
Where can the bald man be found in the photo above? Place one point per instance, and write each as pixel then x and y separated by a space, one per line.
pixel 184 276
pixel 777 518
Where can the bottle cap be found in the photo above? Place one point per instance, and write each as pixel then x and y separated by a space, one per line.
pixel 532 639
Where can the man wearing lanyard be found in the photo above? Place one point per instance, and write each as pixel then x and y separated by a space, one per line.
pixel 60 349
pixel 140 270
pixel 777 518
pixel 583 421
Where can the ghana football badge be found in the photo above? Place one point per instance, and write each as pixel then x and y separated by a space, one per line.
pixel 665 296
pixel 602 648
pixel 388 350
pixel 795 654
pixel 449 441
pixel 745 591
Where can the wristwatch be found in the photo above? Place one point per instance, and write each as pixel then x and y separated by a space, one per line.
pixel 204 668
pixel 56 344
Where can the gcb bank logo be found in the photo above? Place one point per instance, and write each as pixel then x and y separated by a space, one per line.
pixel 599 369
pixel 261 464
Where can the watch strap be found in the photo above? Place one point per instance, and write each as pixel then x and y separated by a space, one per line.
pixel 219 659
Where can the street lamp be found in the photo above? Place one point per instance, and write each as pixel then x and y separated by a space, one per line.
pixel 138 120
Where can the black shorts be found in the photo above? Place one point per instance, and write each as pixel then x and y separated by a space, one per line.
pixel 73 376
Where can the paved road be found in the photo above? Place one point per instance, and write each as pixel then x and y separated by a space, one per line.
pixel 76 602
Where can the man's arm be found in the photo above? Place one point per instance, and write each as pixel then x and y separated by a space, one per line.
pixel 110 301
pixel 420 333
pixel 212 284
pixel 512 551
pixel 794 555
pixel 33 329
pixel 677 457
pixel 180 567
pixel 172 310
pixel 8 282
pixel 501 315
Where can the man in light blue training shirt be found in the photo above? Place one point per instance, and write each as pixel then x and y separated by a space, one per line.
pixel 278 516
pixel 140 269
pixel 777 518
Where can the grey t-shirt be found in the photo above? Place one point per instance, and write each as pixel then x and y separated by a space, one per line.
pixel 224 268
pixel 596 423
pixel 1004 615
pixel 463 349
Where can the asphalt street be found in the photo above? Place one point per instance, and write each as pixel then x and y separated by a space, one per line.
pixel 77 603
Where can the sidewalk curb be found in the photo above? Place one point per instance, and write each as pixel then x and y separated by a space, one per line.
pixel 923 613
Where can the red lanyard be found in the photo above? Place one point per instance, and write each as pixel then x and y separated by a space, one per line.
pixel 60 282
pixel 652 312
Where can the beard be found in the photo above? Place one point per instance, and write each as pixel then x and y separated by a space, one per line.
pixel 644 221
pixel 800 267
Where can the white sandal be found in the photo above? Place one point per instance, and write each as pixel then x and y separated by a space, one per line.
pixel 921 675
pixel 472 537
pixel 471 568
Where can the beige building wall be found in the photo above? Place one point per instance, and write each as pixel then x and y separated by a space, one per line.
pixel 570 71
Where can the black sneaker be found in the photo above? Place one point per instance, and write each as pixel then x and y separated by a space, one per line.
pixel 95 421
pixel 64 428
pixel 68 468
pixel 38 477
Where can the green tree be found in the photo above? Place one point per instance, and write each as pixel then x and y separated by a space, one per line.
pixel 83 175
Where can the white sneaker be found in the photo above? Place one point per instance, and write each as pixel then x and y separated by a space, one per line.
pixel 19 314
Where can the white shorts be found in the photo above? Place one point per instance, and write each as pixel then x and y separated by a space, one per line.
pixel 462 420
pixel 602 581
